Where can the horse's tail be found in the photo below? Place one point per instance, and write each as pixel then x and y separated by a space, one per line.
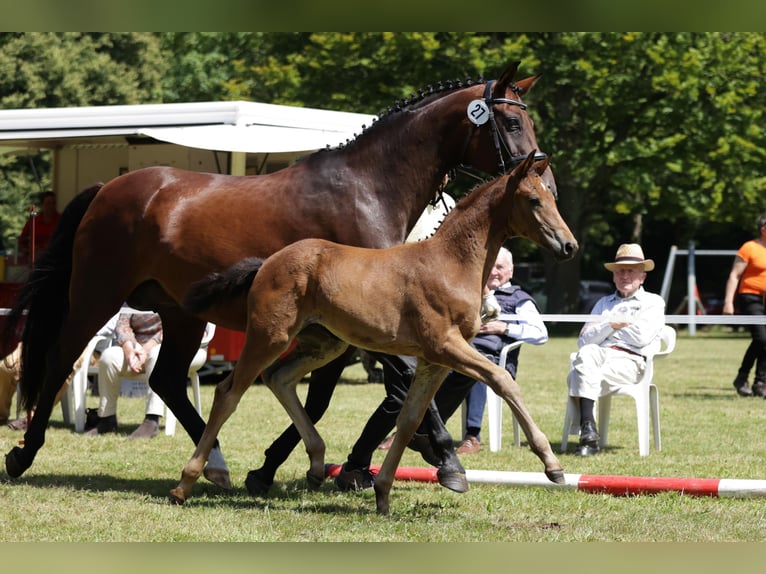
pixel 221 286
pixel 45 299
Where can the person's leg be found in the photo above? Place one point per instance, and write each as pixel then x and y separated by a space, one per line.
pixel 111 365
pixel 584 381
pixel 9 378
pixel 741 383
pixel 155 408
pixel 397 376
pixel 753 305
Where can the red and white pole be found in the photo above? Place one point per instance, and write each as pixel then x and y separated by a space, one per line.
pixel 593 483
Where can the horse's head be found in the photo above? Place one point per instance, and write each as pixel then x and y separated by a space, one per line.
pixel 502 133
pixel 532 210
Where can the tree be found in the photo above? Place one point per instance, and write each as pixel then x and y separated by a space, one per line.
pixel 67 69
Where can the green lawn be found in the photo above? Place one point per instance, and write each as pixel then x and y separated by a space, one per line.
pixel 112 489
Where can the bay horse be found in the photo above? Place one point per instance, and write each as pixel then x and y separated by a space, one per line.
pixel 145 236
pixel 427 298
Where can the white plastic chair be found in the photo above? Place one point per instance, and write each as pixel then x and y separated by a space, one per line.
pixel 495 406
pixel 644 393
pixel 78 390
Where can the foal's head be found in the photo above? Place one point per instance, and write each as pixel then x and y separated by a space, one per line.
pixel 533 211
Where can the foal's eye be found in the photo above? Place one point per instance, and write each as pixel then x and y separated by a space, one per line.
pixel 535 201
pixel 512 124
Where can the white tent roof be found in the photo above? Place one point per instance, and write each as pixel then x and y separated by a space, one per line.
pixel 224 126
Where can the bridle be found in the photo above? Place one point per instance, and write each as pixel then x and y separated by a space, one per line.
pixel 502 152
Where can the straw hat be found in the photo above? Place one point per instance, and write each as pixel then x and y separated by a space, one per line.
pixel 630 254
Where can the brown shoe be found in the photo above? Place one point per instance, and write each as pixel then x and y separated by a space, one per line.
pixel 470 445
pixel 147 429
pixel 759 389
pixel 386 444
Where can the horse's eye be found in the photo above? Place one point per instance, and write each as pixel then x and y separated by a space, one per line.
pixel 512 124
pixel 535 201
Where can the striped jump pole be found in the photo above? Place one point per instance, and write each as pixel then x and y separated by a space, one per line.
pixel 592 483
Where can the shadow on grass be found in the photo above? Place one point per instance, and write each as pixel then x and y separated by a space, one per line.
pixel 284 495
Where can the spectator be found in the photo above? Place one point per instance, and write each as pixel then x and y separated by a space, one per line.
pixel 610 348
pixel 745 290
pixel 44 223
pixel 138 337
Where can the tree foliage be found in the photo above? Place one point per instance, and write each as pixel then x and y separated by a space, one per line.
pixel 655 137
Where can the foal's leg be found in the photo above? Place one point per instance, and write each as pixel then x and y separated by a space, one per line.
pixel 471 363
pixel 253 359
pixel 320 390
pixel 283 382
pixel 427 379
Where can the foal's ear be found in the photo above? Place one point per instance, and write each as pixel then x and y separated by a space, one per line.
pixel 506 79
pixel 520 171
pixel 542 165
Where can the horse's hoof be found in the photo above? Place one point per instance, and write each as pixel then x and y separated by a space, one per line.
pixel 177 495
pixel 314 482
pixel 13 465
pixel 219 477
pixel 257 484
pixel 556 476
pixel 455 481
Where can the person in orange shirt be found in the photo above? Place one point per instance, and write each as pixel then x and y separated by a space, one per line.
pixel 745 290
pixel 44 222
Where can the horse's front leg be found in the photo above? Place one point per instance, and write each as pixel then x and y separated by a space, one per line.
pixel 427 379
pixel 471 363
pixel 501 381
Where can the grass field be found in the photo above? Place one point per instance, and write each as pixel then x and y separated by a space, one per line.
pixel 112 489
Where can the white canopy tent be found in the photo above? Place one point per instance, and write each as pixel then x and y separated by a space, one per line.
pixel 247 127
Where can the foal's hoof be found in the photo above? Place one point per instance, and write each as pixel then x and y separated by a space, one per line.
pixel 556 476
pixel 177 495
pixel 218 476
pixel 257 484
pixel 314 482
pixel 13 464
pixel 455 481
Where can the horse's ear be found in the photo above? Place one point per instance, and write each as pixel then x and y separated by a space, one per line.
pixel 542 165
pixel 506 79
pixel 527 84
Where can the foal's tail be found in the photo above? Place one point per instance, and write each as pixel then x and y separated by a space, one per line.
pixel 217 287
pixel 45 299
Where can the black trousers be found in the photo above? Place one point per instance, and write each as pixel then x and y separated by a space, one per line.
pixel 750 304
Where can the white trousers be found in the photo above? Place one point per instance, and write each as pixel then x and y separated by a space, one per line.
pixel 598 371
pixel 112 367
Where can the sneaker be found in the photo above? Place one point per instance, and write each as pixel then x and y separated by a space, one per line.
pixel 743 389
pixel 470 445
pixel 147 429
pixel 104 425
pixel 357 479
pixel 759 389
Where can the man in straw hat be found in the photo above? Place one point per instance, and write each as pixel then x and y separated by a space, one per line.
pixel 610 347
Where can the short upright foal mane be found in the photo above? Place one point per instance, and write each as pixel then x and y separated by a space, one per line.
pixel 427 298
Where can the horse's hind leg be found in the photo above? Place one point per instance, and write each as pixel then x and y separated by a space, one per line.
pixel 316 348
pixel 228 393
pixel 320 390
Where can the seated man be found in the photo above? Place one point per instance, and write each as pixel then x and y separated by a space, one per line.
pixel 137 337
pixel 609 354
